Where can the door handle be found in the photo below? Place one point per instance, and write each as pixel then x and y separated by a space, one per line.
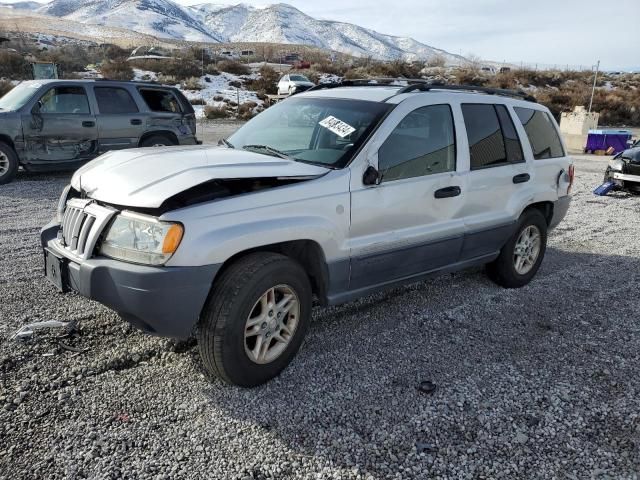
pixel 136 121
pixel 521 178
pixel 88 124
pixel 447 192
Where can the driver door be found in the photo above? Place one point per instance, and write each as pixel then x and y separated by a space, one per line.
pixel 60 128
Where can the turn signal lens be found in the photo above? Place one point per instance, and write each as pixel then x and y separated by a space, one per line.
pixel 172 239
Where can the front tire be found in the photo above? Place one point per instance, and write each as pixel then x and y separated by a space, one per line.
pixel 255 319
pixel 8 163
pixel 520 258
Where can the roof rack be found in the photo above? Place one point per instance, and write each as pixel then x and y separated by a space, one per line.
pixel 422 85
pixel 426 87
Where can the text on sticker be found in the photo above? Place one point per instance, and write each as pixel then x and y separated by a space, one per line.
pixel 337 126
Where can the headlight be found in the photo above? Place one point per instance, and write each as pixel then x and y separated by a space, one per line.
pixel 616 164
pixel 62 203
pixel 138 238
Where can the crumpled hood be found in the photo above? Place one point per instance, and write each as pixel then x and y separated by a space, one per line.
pixel 145 177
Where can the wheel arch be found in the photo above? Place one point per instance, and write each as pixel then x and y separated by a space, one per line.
pixel 7 139
pixel 544 207
pixel 162 133
pixel 308 253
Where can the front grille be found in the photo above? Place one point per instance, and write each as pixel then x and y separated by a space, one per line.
pixel 82 223
pixel 632 168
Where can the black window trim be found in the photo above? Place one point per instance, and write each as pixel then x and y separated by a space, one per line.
pixel 455 143
pixel 63 85
pixel 494 165
pixel 524 160
pixel 121 87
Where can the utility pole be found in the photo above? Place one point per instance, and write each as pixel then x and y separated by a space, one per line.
pixel 593 90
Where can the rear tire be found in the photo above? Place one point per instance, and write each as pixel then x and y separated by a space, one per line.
pixel 8 163
pixel 248 335
pixel 157 141
pixel 521 256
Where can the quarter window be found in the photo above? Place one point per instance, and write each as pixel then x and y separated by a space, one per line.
pixel 160 100
pixel 65 100
pixel 113 100
pixel 541 132
pixel 422 144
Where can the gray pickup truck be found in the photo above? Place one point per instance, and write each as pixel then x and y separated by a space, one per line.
pixel 60 124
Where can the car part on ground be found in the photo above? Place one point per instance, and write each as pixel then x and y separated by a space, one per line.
pixel 333 194
pixel 623 172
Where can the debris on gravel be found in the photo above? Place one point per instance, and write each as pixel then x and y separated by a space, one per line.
pixel 538 382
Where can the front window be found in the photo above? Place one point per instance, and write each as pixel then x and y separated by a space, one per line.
pixel 323 131
pixel 18 96
pixel 64 100
pixel 299 78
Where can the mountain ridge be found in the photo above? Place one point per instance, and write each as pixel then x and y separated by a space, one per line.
pixel 219 23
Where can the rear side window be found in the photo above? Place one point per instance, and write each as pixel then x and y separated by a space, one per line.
pixel 115 100
pixel 541 132
pixel 486 143
pixel 511 140
pixel 423 143
pixel 160 100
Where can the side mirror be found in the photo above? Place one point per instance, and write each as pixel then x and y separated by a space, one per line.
pixel 37 108
pixel 371 176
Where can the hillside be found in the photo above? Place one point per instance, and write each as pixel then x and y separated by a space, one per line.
pixel 280 23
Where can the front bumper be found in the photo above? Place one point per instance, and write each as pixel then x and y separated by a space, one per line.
pixel 560 208
pixel 165 301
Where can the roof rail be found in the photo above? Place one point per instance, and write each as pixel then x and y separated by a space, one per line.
pixel 426 87
pixel 367 82
pixel 422 85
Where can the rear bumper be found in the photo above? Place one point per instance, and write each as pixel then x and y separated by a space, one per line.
pixel 165 301
pixel 560 208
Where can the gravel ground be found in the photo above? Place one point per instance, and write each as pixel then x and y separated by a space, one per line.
pixel 540 382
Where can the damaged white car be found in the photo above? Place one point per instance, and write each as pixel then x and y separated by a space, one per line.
pixel 330 195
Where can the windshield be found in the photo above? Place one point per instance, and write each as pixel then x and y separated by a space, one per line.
pixel 18 96
pixel 323 131
pixel 298 78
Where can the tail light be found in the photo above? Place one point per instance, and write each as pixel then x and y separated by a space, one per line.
pixel 572 173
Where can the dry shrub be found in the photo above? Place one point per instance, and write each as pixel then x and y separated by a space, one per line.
pixel 192 83
pixel 266 83
pixel 215 112
pixel 218 98
pixel 13 66
pixel 5 87
pixel 211 69
pixel 181 69
pixel 396 69
pixel 245 111
pixel 235 84
pixel 235 68
pixel 117 70
pixel 197 101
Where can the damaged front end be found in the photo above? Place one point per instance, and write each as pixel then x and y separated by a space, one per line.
pixel 623 172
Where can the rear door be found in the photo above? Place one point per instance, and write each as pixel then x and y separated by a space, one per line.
pixel 497 172
pixel 120 122
pixel 60 127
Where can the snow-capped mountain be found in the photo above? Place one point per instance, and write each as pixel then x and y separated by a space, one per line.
pixel 162 18
pixel 279 23
pixel 27 5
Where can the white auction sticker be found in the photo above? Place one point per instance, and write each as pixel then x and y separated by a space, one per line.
pixel 337 126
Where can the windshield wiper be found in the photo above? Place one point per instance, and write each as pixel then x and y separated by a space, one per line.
pixel 226 143
pixel 268 150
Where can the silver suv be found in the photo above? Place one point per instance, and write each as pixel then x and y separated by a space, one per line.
pixel 329 195
pixel 59 124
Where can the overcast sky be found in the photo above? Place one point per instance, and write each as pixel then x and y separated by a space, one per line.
pixel 575 32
